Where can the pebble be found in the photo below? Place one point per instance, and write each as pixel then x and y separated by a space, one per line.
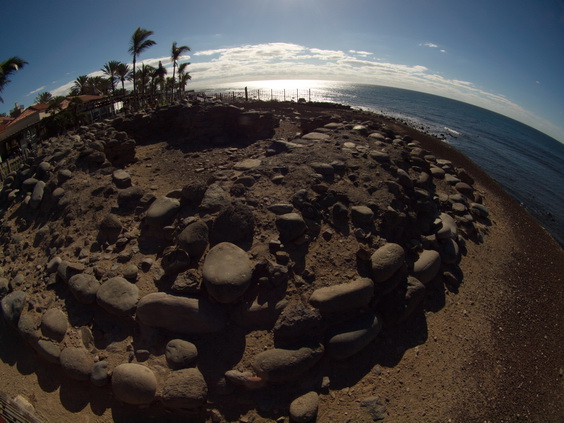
pixel 118 297
pixel 281 365
pixel 54 324
pixel 386 261
pixel 76 363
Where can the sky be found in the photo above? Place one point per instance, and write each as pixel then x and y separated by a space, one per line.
pixel 503 55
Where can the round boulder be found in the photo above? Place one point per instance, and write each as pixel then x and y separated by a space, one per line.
pixel 77 363
pixel 184 389
pixel 54 324
pixel 180 314
pixel 427 266
pixel 343 297
pixel 84 287
pixel 118 297
pixel 227 272
pixel 281 365
pixel 12 306
pixel 290 226
pixel 194 239
pixel 134 384
pixel 352 336
pixel 162 211
pixel 386 261
pixel 179 353
pixel 234 224
pixel 304 408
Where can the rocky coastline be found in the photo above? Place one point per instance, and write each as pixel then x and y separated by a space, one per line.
pixel 266 262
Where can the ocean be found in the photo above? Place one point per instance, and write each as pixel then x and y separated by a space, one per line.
pixel 527 163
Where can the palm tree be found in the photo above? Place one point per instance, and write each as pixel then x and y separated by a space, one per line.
pixel 80 86
pixel 44 98
pixel 160 73
pixel 176 52
pixel 183 76
pixel 110 69
pixel 122 73
pixel 8 67
pixel 139 42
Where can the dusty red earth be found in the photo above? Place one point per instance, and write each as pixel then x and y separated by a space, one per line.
pixel 486 350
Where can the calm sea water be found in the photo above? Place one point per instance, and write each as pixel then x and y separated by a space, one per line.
pixel 526 162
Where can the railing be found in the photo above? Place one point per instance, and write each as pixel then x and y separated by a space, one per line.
pixel 9 165
pixel 296 95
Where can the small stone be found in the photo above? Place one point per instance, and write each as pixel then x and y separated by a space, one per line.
pixel 281 365
pixel 99 373
pixel 304 408
pixel 385 261
pixel 49 350
pixel 247 164
pixel 362 216
pixel 162 211
pixel 180 354
pixel 427 266
pixel 12 306
pixel 281 208
pixel 374 407
pixel 121 178
pixel 194 239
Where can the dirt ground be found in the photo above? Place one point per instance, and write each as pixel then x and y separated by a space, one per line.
pixel 488 350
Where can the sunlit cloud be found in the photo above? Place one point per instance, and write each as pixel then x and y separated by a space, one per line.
pixel 430 45
pixel 35 91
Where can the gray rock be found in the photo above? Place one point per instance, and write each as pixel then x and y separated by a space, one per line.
pixel 84 288
pixel 130 272
pixel 414 296
pixel 449 251
pixel 316 136
pixel 479 210
pixel 215 198
pixel 180 354
pixel 63 175
pixel 134 384
pixel 291 226
pixel 162 211
pixel 343 297
pixel 111 223
pixel 99 374
pixel 184 389
pixel 281 208
pixel 235 224
pixel 374 407
pixel 258 313
pixel 448 227
pixel 324 169
pixel 362 216
pixel 297 321
pixel 194 239
pixel 128 197
pixel 121 178
pixel 29 184
pixel 193 192
pixel 281 365
pixel 175 261
pixel 385 261
pixel 304 408
pixel 12 306
pixel 247 164
pixel 49 350
pixel 180 314
pixel 54 324
pixel 118 297
pixel 227 272
pixel 76 363
pixel 4 287
pixel 44 170
pixel 465 189
pixel 353 336
pixel 379 156
pixel 37 195
pixel 28 328
pixel 427 266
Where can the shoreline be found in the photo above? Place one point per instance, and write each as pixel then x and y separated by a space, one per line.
pixel 489 352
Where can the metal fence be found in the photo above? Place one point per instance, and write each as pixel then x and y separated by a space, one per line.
pixel 297 95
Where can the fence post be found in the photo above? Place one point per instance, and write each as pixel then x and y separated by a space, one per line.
pixel 284 94
pixel 271 95
pixel 246 95
pixel 309 94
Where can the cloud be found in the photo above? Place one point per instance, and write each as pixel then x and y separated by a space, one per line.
pixel 35 91
pixel 430 45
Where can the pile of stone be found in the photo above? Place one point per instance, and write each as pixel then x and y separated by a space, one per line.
pixel 408 226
